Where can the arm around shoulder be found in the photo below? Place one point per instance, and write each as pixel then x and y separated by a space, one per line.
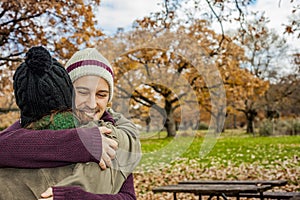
pixel 48 148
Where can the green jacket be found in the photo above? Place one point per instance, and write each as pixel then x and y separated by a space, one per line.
pixel 30 183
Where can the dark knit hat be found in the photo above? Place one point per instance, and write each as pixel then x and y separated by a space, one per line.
pixel 41 85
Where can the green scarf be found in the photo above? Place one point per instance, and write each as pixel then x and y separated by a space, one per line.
pixel 55 121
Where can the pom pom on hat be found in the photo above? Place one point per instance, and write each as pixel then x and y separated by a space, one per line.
pixel 38 60
pixel 90 61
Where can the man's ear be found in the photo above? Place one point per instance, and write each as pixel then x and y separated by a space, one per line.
pixel 109 104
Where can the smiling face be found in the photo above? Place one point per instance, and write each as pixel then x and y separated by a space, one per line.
pixel 91 95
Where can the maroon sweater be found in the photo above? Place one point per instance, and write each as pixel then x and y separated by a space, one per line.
pixel 76 193
pixel 26 148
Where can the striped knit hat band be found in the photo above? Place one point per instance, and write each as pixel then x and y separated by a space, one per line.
pixel 89 62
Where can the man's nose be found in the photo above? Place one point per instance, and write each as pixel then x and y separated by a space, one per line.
pixel 92 102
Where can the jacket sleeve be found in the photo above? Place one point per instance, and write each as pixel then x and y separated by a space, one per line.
pixel 126 192
pixel 47 148
pixel 129 148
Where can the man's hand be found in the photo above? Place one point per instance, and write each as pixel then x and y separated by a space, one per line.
pixel 47 195
pixel 109 148
pixel 104 130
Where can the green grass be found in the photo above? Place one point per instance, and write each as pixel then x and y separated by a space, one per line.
pixel 248 150
pixel 230 149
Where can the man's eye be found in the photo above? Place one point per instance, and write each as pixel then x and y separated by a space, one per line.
pixel 82 92
pixel 102 95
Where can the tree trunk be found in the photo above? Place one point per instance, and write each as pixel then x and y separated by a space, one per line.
pixel 170 124
pixel 250 115
pixel 219 122
pixel 250 128
pixel 234 121
pixel 148 121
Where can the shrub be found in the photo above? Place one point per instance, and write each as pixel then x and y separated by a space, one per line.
pixel 280 127
pixel 297 127
pixel 202 126
pixel 283 127
pixel 294 126
pixel 266 128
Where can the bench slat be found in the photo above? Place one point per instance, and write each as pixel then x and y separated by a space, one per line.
pixel 233 189
pixel 273 195
pixel 241 182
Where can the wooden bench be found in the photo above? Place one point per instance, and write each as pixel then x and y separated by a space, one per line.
pixel 273 195
pixel 211 190
pixel 269 195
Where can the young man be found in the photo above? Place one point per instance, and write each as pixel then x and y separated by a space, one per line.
pixel 91 99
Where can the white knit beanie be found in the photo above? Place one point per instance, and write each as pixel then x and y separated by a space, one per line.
pixel 90 62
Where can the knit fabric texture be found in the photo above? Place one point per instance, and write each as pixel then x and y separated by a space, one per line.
pixel 41 85
pixel 55 121
pixel 91 62
pixel 66 120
